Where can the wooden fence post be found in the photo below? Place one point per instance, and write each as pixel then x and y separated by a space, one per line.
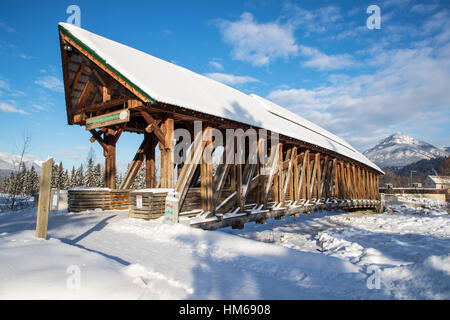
pixel 44 199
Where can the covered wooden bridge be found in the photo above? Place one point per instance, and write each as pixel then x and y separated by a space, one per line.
pixel 289 165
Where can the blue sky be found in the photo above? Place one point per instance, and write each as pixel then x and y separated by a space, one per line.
pixel 317 58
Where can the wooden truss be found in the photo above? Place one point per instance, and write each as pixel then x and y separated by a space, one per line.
pixel 292 177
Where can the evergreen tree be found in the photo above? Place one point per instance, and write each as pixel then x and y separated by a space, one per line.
pixel 79 176
pixel 22 179
pixel 33 181
pixel 66 180
pixel 54 177
pixel 118 179
pixel 10 186
pixel 98 173
pixel 73 177
pixel 139 180
pixel 90 178
pixel 60 176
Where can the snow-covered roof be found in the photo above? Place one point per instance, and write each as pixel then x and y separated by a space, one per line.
pixel 171 84
pixel 440 179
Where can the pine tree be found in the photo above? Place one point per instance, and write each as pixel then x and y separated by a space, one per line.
pixel 98 173
pixel 54 177
pixel 118 179
pixel 89 178
pixel 11 183
pixel 60 176
pixel 66 180
pixel 79 176
pixel 22 179
pixel 33 181
pixel 73 177
pixel 139 180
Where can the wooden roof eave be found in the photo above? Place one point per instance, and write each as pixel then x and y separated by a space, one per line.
pixel 67 38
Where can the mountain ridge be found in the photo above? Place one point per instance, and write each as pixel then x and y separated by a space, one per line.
pixel 399 150
pixel 10 162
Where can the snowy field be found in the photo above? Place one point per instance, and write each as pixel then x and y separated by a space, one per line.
pixel 403 253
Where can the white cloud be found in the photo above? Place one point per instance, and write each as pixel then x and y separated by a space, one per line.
pixel 24 56
pixel 4 26
pixel 51 82
pixel 230 79
pixel 323 61
pixel 216 65
pixel 258 43
pixel 424 8
pixel 314 21
pixel 4 85
pixel 7 107
pixel 408 91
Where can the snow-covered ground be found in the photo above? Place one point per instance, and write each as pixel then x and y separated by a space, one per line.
pixel 403 253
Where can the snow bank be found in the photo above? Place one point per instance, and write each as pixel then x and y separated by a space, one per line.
pixel 32 268
pixel 328 255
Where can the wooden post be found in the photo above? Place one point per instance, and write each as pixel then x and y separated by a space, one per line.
pixel 272 166
pixel 281 176
pixel 303 175
pixel 110 161
pixel 261 169
pixel 150 166
pixel 44 199
pixel 335 176
pixel 239 186
pixel 206 172
pixel 167 166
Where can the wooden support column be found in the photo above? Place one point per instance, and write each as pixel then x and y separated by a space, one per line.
pixel 348 181
pixel 272 166
pixel 318 178
pixel 364 179
pixel 110 163
pixel 377 187
pixel 360 185
pixel 304 174
pixel 167 164
pixel 262 143
pixel 308 177
pixel 281 176
pixel 343 185
pixel 150 165
pixel 206 187
pixel 295 182
pixel 291 156
pixel 335 176
pixel 323 179
pixel 312 185
pixel 372 194
pixel 240 200
pixel 108 143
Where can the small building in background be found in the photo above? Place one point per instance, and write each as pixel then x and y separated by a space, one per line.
pixel 417 185
pixel 438 182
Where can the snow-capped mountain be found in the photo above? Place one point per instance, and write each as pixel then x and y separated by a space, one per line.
pixel 10 161
pixel 400 149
